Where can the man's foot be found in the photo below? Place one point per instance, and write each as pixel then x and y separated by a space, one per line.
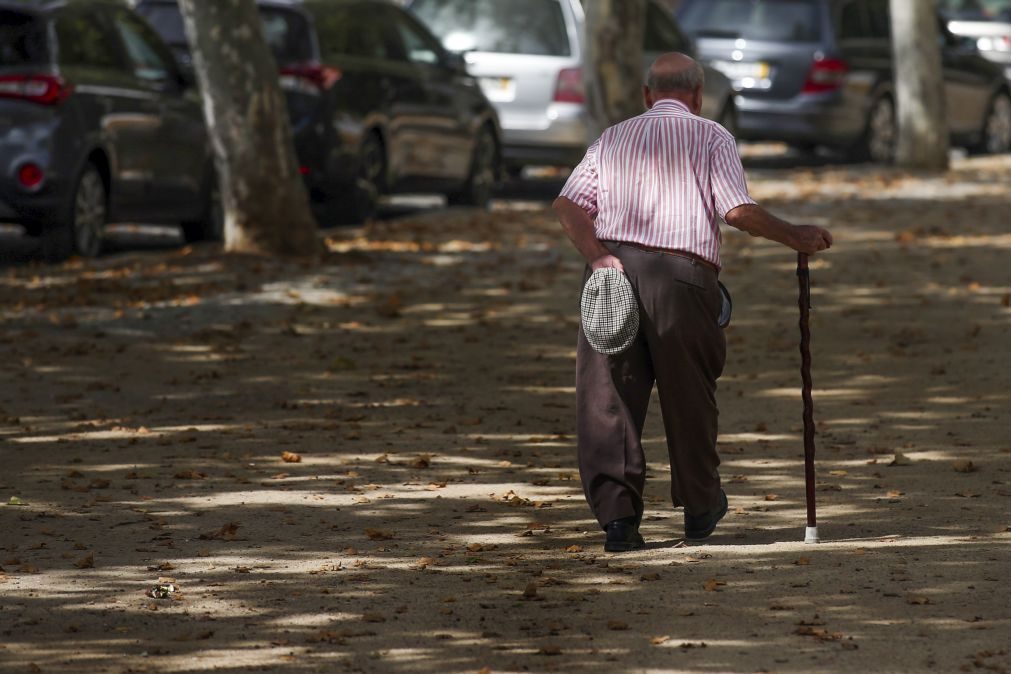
pixel 623 535
pixel 699 527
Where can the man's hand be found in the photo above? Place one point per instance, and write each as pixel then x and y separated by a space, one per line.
pixel 606 261
pixel 810 239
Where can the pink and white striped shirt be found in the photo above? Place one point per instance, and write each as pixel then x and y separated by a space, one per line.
pixel 660 180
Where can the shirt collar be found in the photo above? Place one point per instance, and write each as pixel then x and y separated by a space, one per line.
pixel 669 105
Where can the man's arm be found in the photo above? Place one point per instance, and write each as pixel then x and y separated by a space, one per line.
pixel 757 221
pixel 579 227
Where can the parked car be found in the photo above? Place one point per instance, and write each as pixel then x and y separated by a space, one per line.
pixel 987 22
pixel 96 125
pixel 528 56
pixel 376 104
pixel 820 72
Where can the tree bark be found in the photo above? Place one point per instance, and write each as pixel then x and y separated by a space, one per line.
pixel 265 202
pixel 919 87
pixel 613 74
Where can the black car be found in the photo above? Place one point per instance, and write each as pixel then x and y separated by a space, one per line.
pixel 820 72
pixel 376 104
pixel 97 124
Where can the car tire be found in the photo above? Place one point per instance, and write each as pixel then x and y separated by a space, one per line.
pixel 483 173
pixel 881 133
pixel 211 225
pixel 82 229
pixel 995 137
pixel 362 202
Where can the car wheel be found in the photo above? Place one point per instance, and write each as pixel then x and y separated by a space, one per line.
pixel 483 173
pixel 211 226
pixel 882 134
pixel 997 127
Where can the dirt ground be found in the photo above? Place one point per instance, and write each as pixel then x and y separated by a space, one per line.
pixel 423 375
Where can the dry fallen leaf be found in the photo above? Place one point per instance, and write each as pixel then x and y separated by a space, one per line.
pixel 291 457
pixel 379 534
pixel 712 585
pixel 617 625
pixel 802 561
pixel 225 533
pixel 86 562
pixel 550 650
pixel 373 618
pixel 917 599
pixel 531 591
pixel 574 548
pixel 963 466
pixel 656 641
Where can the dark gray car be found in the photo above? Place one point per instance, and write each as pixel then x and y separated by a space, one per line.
pixel 820 72
pixel 96 125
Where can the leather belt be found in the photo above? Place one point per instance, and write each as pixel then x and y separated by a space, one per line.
pixel 667 251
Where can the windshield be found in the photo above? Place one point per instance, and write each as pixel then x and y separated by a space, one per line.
pixel 976 10
pixel 534 27
pixel 22 40
pixel 765 20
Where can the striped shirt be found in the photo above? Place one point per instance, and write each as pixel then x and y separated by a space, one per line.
pixel 660 180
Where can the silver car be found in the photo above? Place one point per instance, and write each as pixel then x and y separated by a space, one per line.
pixel 528 56
pixel 986 22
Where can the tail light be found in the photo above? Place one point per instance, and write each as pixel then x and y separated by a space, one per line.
pixel 30 176
pixel 42 89
pixel 320 77
pixel 569 88
pixel 826 75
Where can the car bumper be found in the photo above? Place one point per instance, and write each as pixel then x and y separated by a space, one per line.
pixel 555 136
pixel 821 119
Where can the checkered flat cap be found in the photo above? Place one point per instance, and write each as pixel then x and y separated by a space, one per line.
pixel 609 311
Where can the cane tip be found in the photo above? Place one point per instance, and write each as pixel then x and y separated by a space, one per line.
pixel 811 535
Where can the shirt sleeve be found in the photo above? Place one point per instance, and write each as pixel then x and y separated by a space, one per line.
pixel 581 187
pixel 730 189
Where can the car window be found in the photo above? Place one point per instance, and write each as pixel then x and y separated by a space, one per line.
pixel 22 39
pixel 418 47
pixel 289 35
pixel 535 27
pixel 976 10
pixel 166 20
pixel 880 19
pixel 138 37
pixel 851 21
pixel 765 20
pixel 345 32
pixel 84 39
pixel 662 35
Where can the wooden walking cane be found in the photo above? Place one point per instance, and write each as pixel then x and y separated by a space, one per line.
pixel 804 278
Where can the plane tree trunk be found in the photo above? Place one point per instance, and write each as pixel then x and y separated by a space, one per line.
pixel 613 74
pixel 919 87
pixel 265 201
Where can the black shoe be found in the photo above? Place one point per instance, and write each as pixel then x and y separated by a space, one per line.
pixel 623 535
pixel 699 527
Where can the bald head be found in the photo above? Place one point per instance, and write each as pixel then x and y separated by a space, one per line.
pixel 675 72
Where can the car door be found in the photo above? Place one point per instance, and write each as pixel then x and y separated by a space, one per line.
pixel 445 120
pixel 180 167
pixel 125 116
pixel 968 83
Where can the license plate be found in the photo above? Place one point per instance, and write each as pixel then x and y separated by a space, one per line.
pixel 499 88
pixel 746 74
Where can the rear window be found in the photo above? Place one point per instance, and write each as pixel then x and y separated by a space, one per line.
pixel 289 36
pixel 534 27
pixel 167 22
pixel 763 20
pixel 288 33
pixel 976 10
pixel 22 40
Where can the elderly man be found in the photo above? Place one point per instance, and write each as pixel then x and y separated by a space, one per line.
pixel 646 200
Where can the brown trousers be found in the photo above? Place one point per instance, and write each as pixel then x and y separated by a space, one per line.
pixel 679 347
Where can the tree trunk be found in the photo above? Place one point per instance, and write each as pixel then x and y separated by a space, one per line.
pixel 919 87
pixel 264 199
pixel 613 74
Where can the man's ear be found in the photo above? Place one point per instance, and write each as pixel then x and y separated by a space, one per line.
pixel 647 97
pixel 697 100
